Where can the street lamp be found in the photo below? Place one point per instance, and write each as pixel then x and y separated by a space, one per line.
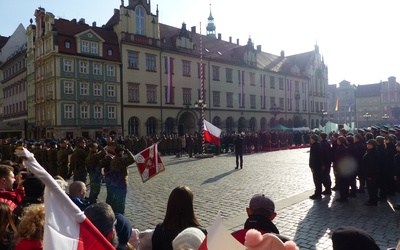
pixel 385 117
pixel 275 110
pixel 367 116
pixel 323 115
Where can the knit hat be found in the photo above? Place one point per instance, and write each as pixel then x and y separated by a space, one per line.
pixel 34 187
pixel 123 228
pixel 261 201
pixel 352 238
pixel 256 241
pixel 190 238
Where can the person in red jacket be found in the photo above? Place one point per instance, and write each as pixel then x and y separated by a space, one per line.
pixel 7 193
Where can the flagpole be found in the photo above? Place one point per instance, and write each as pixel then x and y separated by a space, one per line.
pixel 203 145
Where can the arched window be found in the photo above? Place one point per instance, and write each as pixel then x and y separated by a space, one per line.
pixel 263 124
pixel 139 21
pixel 216 121
pixel 253 124
pixel 230 124
pixel 169 126
pixel 133 126
pixel 151 126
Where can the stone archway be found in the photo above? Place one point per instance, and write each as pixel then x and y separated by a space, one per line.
pixel 304 123
pixel 297 121
pixel 253 124
pixel 263 124
pixel 188 122
pixel 289 123
pixel 242 124
pixel 133 126
pixel 230 125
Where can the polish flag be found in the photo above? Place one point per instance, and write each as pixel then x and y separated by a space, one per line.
pixel 219 238
pixel 170 97
pixel 211 133
pixel 66 227
pixel 149 162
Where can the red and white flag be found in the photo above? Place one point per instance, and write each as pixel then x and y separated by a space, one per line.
pixel 211 133
pixel 66 226
pixel 219 238
pixel 149 163
pixel 241 79
pixel 170 97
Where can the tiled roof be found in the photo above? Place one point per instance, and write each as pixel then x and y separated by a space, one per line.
pixel 369 90
pixel 3 41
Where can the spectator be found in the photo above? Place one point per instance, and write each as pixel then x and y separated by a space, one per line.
pixel 344 238
pixel 103 218
pixel 34 190
pixel 239 144
pixel 256 241
pixel 7 227
pixel 179 216
pixel 77 192
pixel 7 193
pixel 261 212
pixel 123 228
pixel 60 180
pixel 190 238
pixel 315 164
pixel 370 162
pixel 31 228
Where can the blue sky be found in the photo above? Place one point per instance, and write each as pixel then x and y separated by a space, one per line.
pixel 357 38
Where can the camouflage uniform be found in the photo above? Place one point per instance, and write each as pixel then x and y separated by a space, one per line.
pixel 62 162
pixel 95 176
pixel 119 170
pixel 52 161
pixel 77 164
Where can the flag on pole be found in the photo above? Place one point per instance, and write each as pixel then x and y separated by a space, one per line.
pixel 211 133
pixel 219 238
pixel 149 162
pixel 337 103
pixel 169 82
pixel 66 227
pixel 241 80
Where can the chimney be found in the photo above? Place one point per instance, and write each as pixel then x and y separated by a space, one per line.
pixel 73 20
pixel 282 53
pixel 259 48
pixel 193 29
pixel 82 21
pixel 230 39
pixel 237 41
pixel 116 11
pixel 219 36
pixel 94 24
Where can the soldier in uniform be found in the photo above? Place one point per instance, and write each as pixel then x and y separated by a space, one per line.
pixel 40 155
pixel 95 176
pixel 52 158
pixel 77 163
pixel 105 167
pixel 62 160
pixel 119 170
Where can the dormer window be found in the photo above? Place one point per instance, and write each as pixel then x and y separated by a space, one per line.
pixel 67 44
pixel 139 21
pixel 109 52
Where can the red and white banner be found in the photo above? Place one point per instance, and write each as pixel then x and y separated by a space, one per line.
pixel 241 79
pixel 219 238
pixel 263 87
pixel 66 226
pixel 211 133
pixel 170 97
pixel 149 163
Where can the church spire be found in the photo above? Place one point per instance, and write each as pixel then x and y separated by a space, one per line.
pixel 210 26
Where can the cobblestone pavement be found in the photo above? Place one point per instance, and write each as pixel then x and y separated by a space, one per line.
pixel 282 175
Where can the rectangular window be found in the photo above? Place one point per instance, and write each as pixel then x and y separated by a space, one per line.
pixel 187 96
pixel 281 103
pixel 252 78
pixel 97 89
pixel 110 90
pixel 272 82
pixel 84 88
pixel 272 102
pixel 83 67
pixel 216 98
pixel 186 68
pixel 96 69
pixel 94 48
pixel 281 83
pixel 296 86
pixel 111 112
pixel 110 70
pixel 133 61
pixel 229 99
pixel 68 111
pixel 84 112
pixel 133 92
pixel 67 65
pixel 253 101
pixel 229 75
pixel 85 46
pixel 97 112
pixel 150 62
pixel 215 73
pixel 68 88
pixel 151 93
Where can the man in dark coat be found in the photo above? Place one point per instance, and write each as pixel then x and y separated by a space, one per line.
pixel 370 163
pixel 326 153
pixel 238 144
pixel 315 164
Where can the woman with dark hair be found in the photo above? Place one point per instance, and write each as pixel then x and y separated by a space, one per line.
pixel 7 227
pixel 179 216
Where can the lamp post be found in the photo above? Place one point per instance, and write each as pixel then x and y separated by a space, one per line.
pixel 202 105
pixel 275 110
pixel 323 115
pixel 367 116
pixel 385 117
